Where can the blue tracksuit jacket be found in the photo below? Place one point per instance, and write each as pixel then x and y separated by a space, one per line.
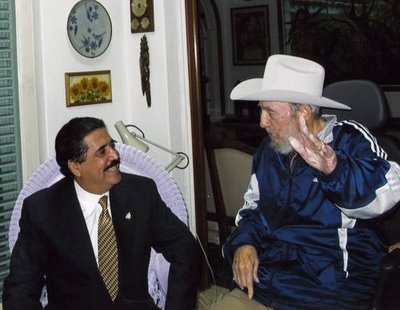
pixel 311 231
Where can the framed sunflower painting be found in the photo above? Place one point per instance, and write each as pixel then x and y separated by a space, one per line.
pixel 82 88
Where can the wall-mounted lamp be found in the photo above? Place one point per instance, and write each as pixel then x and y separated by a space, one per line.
pixel 139 142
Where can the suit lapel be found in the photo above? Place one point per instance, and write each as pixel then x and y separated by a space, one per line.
pixel 123 216
pixel 121 210
pixel 75 234
pixel 118 205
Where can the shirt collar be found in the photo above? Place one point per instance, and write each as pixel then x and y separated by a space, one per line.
pixel 88 201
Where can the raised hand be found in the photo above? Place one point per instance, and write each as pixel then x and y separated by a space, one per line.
pixel 314 151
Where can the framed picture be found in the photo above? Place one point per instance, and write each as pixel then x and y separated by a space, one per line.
pixel 142 16
pixel 351 39
pixel 83 88
pixel 250 35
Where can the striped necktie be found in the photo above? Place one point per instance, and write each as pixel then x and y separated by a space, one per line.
pixel 108 254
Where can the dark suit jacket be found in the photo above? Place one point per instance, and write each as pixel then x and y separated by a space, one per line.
pixel 54 248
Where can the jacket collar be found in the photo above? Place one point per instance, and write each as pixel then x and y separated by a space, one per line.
pixel 326 134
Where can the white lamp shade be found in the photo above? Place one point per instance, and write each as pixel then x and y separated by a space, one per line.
pixel 130 138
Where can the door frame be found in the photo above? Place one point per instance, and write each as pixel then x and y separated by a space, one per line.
pixel 198 160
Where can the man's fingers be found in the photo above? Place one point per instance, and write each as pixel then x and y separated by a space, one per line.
pixel 237 278
pixel 309 139
pixel 245 267
pixel 250 287
pixel 327 151
pixel 241 281
pixel 255 272
pixel 246 282
pixel 303 126
pixel 313 150
pixel 253 278
pixel 244 275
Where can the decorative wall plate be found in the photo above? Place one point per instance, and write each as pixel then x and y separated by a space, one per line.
pixel 89 28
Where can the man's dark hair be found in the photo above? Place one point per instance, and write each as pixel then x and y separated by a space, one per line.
pixel 69 141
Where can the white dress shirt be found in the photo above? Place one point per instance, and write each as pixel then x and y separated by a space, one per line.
pixel 91 210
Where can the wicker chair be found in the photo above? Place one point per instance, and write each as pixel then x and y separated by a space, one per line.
pixel 132 161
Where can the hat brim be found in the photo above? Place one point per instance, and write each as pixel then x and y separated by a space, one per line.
pixel 252 90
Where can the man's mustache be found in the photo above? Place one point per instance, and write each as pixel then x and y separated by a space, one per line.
pixel 115 162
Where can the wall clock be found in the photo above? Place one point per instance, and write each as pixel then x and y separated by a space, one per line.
pixel 142 16
pixel 89 28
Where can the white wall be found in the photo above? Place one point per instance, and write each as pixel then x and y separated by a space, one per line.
pixel 45 58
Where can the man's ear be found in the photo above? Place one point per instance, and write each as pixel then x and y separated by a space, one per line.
pixel 74 167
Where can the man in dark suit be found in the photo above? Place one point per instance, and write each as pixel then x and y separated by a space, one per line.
pixel 59 241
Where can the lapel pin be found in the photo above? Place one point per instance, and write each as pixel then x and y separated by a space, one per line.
pixel 128 216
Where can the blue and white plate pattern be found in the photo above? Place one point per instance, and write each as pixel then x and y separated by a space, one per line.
pixel 89 28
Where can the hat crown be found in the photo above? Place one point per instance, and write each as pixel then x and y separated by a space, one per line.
pixel 290 73
pixel 287 79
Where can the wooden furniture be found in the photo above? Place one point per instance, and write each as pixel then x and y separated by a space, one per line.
pixel 229 164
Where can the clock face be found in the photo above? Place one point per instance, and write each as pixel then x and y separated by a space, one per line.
pixel 89 28
pixel 139 7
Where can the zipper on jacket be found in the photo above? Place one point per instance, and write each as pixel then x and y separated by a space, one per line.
pixel 282 213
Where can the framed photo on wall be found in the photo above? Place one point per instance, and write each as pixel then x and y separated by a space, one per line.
pixel 142 16
pixel 250 35
pixel 83 88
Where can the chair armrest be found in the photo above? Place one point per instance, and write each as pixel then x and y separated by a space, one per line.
pixel 387 294
pixel 391 261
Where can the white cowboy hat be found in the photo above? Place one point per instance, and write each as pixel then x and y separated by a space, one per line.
pixel 288 79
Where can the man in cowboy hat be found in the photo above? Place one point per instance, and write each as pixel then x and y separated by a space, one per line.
pixel 302 241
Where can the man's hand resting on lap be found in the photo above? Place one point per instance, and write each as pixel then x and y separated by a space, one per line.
pixel 245 268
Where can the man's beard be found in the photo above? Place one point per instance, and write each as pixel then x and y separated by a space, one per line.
pixel 282 147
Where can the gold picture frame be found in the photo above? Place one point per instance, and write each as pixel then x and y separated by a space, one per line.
pixel 82 88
